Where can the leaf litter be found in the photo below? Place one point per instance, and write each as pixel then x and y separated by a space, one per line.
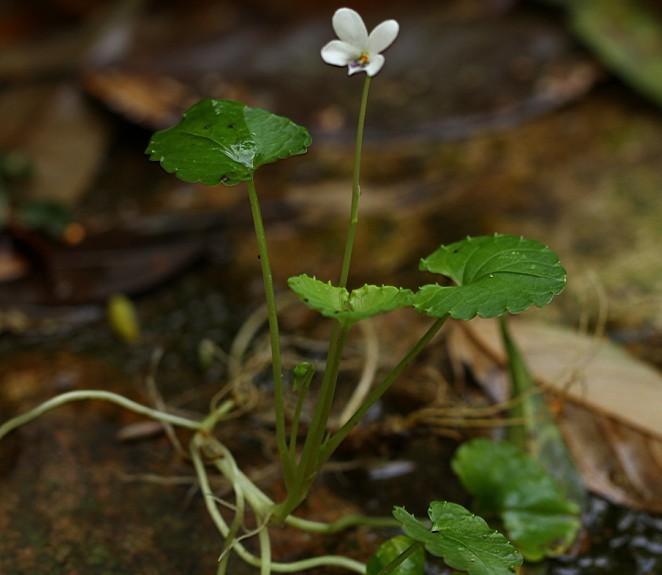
pixel 606 401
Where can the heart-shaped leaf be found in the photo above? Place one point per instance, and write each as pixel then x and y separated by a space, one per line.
pixel 224 142
pixel 346 306
pixel 537 515
pixel 463 540
pixel 494 275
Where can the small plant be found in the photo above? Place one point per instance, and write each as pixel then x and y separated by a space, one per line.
pixel 225 142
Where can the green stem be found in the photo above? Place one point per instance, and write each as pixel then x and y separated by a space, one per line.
pixel 209 422
pixel 521 385
pixel 324 403
pixel 265 552
pixel 258 501
pixel 276 360
pixel 538 434
pixel 334 441
pixel 309 464
pixel 70 396
pixel 237 520
pixel 197 445
pixel 356 188
pixel 341 524
pixel 337 561
pixel 301 385
pixel 400 559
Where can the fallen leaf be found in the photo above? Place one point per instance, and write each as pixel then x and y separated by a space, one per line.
pixel 13 265
pixel 98 267
pixel 60 134
pixel 47 41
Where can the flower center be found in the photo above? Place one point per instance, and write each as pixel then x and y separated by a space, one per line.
pixel 362 61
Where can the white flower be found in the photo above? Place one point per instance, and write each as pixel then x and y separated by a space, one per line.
pixel 356 49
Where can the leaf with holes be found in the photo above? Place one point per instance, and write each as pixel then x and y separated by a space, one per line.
pixel 224 142
pixel 493 275
pixel 463 540
pixel 346 306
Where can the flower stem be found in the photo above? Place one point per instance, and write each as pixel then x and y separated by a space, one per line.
pixel 310 462
pixel 356 188
pixel 276 360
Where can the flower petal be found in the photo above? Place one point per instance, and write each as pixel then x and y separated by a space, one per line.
pixel 339 53
pixel 375 65
pixel 349 27
pixel 383 36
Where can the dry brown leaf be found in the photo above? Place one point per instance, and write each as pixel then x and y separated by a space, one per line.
pixel 62 136
pixel 152 101
pixel 611 403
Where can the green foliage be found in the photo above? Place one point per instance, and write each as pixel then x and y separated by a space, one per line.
pixel 538 435
pixel 505 481
pixel 346 306
pixel 224 142
pixel 494 275
pixel 392 550
pixel 626 35
pixel 463 540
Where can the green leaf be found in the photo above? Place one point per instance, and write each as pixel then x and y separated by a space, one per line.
pixel 224 142
pixel 392 549
pixel 347 306
pixel 504 480
pixel 463 540
pixel 494 275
